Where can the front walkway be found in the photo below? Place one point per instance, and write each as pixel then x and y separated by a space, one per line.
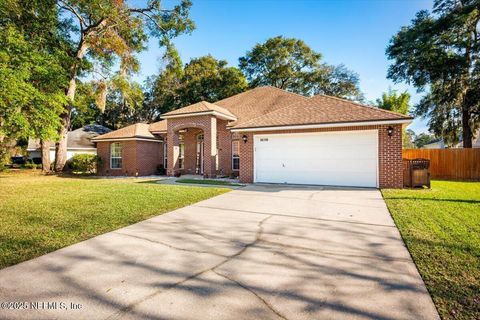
pixel 259 252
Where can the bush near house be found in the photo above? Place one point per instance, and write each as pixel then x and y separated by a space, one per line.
pixel 85 163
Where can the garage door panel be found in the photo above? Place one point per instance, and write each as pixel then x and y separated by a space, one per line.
pixel 341 158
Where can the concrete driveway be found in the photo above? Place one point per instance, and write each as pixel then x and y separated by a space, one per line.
pixel 260 252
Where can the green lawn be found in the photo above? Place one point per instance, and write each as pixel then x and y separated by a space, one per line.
pixel 208 181
pixel 441 228
pixel 39 214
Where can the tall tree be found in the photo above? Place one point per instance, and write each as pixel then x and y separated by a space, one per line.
pixel 422 139
pixel 101 33
pixel 440 53
pixel 32 80
pixel 393 101
pixel 209 79
pixel 203 78
pixel 408 139
pixel 160 91
pixel 290 64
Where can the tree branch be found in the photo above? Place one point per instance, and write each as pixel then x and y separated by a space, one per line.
pixel 68 7
pixel 150 18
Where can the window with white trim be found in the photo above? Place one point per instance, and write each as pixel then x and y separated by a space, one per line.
pixel 116 155
pixel 165 150
pixel 236 155
pixel 181 153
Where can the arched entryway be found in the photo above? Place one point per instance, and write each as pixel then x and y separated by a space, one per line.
pixel 192 145
pixel 191 151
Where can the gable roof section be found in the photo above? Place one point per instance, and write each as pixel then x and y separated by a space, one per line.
pixel 199 108
pixel 135 131
pixel 159 126
pixel 80 138
pixel 326 110
pixel 257 102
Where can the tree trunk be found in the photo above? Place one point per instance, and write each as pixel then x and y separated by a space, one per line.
pixel 45 155
pixel 467 133
pixel 61 145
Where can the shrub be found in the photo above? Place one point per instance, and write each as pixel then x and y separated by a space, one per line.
pixel 161 170
pixel 85 163
pixel 29 164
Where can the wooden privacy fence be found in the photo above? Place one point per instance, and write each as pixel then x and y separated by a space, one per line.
pixel 449 164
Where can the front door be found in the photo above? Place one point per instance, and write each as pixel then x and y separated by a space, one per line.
pixel 199 165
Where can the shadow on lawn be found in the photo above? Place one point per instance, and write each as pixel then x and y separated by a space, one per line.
pixel 236 263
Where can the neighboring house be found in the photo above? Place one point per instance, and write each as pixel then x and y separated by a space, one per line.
pixel 265 135
pixel 78 141
pixel 437 144
pixel 440 144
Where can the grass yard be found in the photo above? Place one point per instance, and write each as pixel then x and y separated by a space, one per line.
pixel 209 182
pixel 40 214
pixel 441 228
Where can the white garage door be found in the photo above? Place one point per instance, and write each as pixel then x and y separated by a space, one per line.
pixel 342 158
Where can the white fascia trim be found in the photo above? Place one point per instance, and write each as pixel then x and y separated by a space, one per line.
pixel 324 125
pixel 201 113
pixel 126 139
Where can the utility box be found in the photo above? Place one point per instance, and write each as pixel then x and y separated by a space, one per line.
pixel 416 173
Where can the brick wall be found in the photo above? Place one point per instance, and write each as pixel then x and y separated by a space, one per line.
pixel 390 153
pixel 206 123
pixel 148 157
pixel 224 148
pixel 138 158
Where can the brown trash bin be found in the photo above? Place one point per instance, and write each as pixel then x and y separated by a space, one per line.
pixel 416 173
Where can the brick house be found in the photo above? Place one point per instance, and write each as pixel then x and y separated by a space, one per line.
pixel 265 135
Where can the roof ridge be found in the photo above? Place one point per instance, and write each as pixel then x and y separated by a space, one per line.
pixel 283 90
pixel 260 87
pixel 360 105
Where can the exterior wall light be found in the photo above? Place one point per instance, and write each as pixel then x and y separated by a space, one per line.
pixel 245 138
pixel 390 131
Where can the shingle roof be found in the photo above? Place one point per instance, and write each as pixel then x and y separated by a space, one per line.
pixel 76 139
pixel 137 130
pixel 158 126
pixel 321 109
pixel 258 101
pixel 202 106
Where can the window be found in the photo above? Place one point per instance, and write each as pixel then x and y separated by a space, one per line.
pixel 165 150
pixel 236 155
pixel 181 153
pixel 116 155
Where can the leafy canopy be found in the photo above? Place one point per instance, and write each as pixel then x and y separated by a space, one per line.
pixel 439 53
pixel 393 101
pixel 203 78
pixel 290 64
pixel 32 81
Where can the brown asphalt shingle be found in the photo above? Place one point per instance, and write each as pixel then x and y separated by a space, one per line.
pixel 201 106
pixel 137 130
pixel 257 102
pixel 159 126
pixel 318 110
pixel 269 106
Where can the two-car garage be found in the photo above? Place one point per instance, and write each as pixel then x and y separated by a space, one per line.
pixel 338 158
